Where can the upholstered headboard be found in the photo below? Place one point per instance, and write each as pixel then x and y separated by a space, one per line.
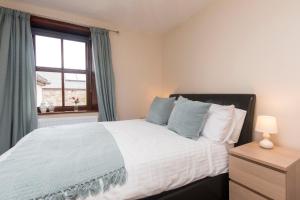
pixel 241 101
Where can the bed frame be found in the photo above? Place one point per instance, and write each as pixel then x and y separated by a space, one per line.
pixel 217 187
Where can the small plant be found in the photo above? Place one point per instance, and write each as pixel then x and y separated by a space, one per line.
pixel 75 100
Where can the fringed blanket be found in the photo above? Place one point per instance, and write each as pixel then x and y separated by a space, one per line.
pixel 66 162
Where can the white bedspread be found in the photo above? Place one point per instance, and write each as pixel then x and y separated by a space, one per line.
pixel 158 160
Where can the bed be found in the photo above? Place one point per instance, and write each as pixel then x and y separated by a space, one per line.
pixel 217 187
pixel 163 165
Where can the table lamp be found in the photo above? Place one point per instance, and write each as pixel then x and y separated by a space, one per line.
pixel 266 125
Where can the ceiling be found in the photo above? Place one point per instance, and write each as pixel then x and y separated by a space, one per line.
pixel 144 15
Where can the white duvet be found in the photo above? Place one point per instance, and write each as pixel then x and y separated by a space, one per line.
pixel 158 159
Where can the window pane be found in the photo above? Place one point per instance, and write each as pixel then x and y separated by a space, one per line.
pixel 74 55
pixel 48 51
pixel 48 88
pixel 75 88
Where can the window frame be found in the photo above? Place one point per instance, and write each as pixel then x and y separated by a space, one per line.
pixel 88 71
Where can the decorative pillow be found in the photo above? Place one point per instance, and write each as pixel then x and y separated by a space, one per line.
pixel 182 99
pixel 188 118
pixel 238 122
pixel 219 123
pixel 160 110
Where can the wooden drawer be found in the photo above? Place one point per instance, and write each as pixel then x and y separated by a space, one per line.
pixel 264 180
pixel 238 192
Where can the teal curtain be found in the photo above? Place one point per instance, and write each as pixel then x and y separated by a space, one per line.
pixel 105 82
pixel 18 114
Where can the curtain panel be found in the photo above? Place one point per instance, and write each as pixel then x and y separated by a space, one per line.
pixel 18 113
pixel 105 82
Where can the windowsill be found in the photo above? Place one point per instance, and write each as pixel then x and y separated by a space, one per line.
pixel 67 114
pixel 66 118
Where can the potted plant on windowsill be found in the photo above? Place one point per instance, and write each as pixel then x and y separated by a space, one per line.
pixel 76 102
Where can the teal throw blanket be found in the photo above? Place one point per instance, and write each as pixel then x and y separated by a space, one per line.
pixel 63 162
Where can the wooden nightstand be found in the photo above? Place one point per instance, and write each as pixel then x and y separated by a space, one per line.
pixel 259 174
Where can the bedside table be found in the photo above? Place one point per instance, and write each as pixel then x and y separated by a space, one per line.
pixel 260 174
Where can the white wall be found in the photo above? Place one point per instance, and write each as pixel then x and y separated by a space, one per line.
pixel 137 60
pixel 248 46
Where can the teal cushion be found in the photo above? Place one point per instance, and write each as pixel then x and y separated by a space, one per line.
pixel 188 118
pixel 160 110
pixel 182 99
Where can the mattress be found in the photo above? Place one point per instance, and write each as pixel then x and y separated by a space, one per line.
pixel 159 160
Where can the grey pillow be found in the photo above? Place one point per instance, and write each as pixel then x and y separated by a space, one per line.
pixel 160 110
pixel 188 118
pixel 182 100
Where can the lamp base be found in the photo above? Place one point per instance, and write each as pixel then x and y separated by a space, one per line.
pixel 266 143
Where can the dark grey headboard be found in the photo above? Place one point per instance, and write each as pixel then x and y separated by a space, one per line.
pixel 241 101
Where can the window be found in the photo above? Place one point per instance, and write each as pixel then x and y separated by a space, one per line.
pixel 63 70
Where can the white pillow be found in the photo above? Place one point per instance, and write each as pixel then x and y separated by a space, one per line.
pixel 219 122
pixel 237 125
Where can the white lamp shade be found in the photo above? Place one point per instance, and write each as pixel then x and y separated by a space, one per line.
pixel 266 124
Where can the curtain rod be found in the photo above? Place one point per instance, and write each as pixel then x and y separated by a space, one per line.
pixel 50 23
pixel 113 31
